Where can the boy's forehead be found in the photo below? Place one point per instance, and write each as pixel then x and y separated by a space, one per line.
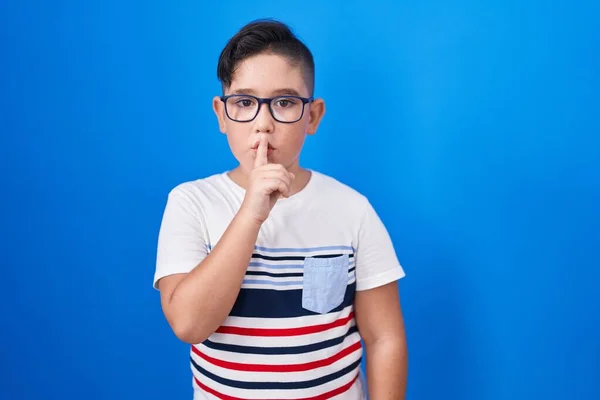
pixel 268 75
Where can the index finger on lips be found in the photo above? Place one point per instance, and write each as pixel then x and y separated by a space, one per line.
pixel 261 152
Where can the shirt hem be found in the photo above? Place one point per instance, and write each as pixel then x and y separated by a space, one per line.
pixel 381 279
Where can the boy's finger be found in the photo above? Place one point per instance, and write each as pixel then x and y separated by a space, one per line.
pixel 261 152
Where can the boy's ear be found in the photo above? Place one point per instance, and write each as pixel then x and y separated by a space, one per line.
pixel 219 109
pixel 317 110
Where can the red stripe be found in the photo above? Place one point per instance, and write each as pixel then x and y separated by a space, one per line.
pixel 279 368
pixel 323 396
pixel 304 330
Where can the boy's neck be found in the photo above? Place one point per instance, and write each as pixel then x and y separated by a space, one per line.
pixel 302 178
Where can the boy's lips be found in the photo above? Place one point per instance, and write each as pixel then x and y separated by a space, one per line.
pixel 269 147
pixel 269 150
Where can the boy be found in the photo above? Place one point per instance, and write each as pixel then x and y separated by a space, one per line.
pixel 273 272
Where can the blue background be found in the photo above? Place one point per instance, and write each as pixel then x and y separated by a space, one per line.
pixel 472 126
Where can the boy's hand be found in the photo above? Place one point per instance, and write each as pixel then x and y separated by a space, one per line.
pixel 267 182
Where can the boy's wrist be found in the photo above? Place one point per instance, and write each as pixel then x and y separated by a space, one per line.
pixel 247 218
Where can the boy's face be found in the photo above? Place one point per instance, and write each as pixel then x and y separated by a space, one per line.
pixel 267 76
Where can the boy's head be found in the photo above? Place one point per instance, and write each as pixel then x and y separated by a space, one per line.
pixel 265 60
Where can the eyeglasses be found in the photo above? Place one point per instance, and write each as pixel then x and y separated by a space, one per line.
pixel 285 109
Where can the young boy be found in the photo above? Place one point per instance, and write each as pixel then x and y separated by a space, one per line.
pixel 273 272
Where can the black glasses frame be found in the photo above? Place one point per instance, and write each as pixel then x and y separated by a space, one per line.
pixel 269 102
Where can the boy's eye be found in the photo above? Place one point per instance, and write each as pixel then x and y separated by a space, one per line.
pixel 285 102
pixel 245 102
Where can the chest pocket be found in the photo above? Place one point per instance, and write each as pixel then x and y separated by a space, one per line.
pixel 325 282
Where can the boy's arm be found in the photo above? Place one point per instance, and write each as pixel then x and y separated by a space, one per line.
pixel 195 304
pixel 379 319
pixel 377 309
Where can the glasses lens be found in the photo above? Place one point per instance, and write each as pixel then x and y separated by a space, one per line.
pixel 241 108
pixel 287 109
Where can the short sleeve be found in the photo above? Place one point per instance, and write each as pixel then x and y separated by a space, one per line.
pixel 182 243
pixel 376 260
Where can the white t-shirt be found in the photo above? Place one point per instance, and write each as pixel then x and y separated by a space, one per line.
pixel 291 332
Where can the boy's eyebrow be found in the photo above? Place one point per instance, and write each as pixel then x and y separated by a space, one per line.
pixel 288 91
pixel 243 91
pixel 278 92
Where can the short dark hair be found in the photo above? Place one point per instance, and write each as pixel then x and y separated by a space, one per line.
pixel 265 36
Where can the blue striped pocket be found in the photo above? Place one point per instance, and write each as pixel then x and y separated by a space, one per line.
pixel 324 283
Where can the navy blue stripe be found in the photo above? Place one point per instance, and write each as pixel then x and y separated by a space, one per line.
pixel 277 385
pixel 280 350
pixel 267 303
pixel 284 275
pixel 296 258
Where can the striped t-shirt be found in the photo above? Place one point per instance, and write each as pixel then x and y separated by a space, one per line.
pixel 291 333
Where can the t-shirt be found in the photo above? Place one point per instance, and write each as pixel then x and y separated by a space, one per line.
pixel 291 333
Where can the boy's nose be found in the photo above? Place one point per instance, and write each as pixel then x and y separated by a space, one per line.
pixel 264 121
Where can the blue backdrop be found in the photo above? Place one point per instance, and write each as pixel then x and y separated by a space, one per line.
pixel 472 126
